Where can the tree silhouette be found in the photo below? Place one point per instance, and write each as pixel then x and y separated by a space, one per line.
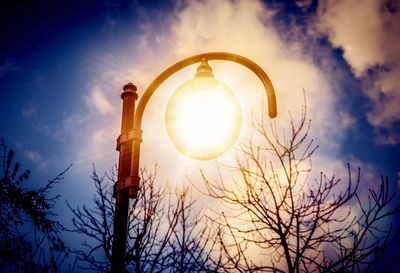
pixel 29 231
pixel 276 219
pixel 164 232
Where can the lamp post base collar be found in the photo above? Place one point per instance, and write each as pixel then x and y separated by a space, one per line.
pixel 129 184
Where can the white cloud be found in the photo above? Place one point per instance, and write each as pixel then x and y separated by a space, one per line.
pixel 348 121
pixel 8 65
pixel 36 159
pixel 72 122
pixel 99 101
pixel 357 29
pixel 29 110
pixel 247 28
pixel 242 27
pixel 369 34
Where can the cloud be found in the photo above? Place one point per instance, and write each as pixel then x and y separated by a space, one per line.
pixel 7 65
pixel 36 159
pixel 356 29
pixel 40 124
pixel 243 27
pixel 73 121
pixel 247 28
pixel 99 101
pixel 29 110
pixel 369 35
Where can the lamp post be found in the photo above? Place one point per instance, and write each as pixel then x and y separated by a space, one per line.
pixel 128 143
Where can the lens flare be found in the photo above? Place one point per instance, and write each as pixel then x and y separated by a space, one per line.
pixel 203 118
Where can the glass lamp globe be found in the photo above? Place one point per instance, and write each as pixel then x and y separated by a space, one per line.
pixel 203 117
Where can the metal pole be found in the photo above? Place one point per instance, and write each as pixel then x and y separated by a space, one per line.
pixel 123 187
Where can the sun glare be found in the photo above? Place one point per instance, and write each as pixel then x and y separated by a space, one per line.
pixel 203 118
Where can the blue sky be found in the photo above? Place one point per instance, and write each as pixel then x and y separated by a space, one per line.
pixel 63 65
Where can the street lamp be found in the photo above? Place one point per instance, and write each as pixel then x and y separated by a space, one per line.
pixel 128 143
pixel 203 116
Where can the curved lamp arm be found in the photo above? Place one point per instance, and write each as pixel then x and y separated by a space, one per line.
pixel 195 59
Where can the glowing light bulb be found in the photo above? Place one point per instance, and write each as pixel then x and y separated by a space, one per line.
pixel 203 116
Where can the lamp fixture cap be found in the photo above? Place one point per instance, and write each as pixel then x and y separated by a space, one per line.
pixel 204 70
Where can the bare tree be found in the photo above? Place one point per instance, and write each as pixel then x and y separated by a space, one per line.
pixel 193 240
pixel 276 219
pixel 164 233
pixel 148 231
pixel 30 238
pixel 94 224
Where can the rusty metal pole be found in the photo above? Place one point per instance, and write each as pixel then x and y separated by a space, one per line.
pixel 127 185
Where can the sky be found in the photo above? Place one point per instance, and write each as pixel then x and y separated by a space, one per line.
pixel 63 65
